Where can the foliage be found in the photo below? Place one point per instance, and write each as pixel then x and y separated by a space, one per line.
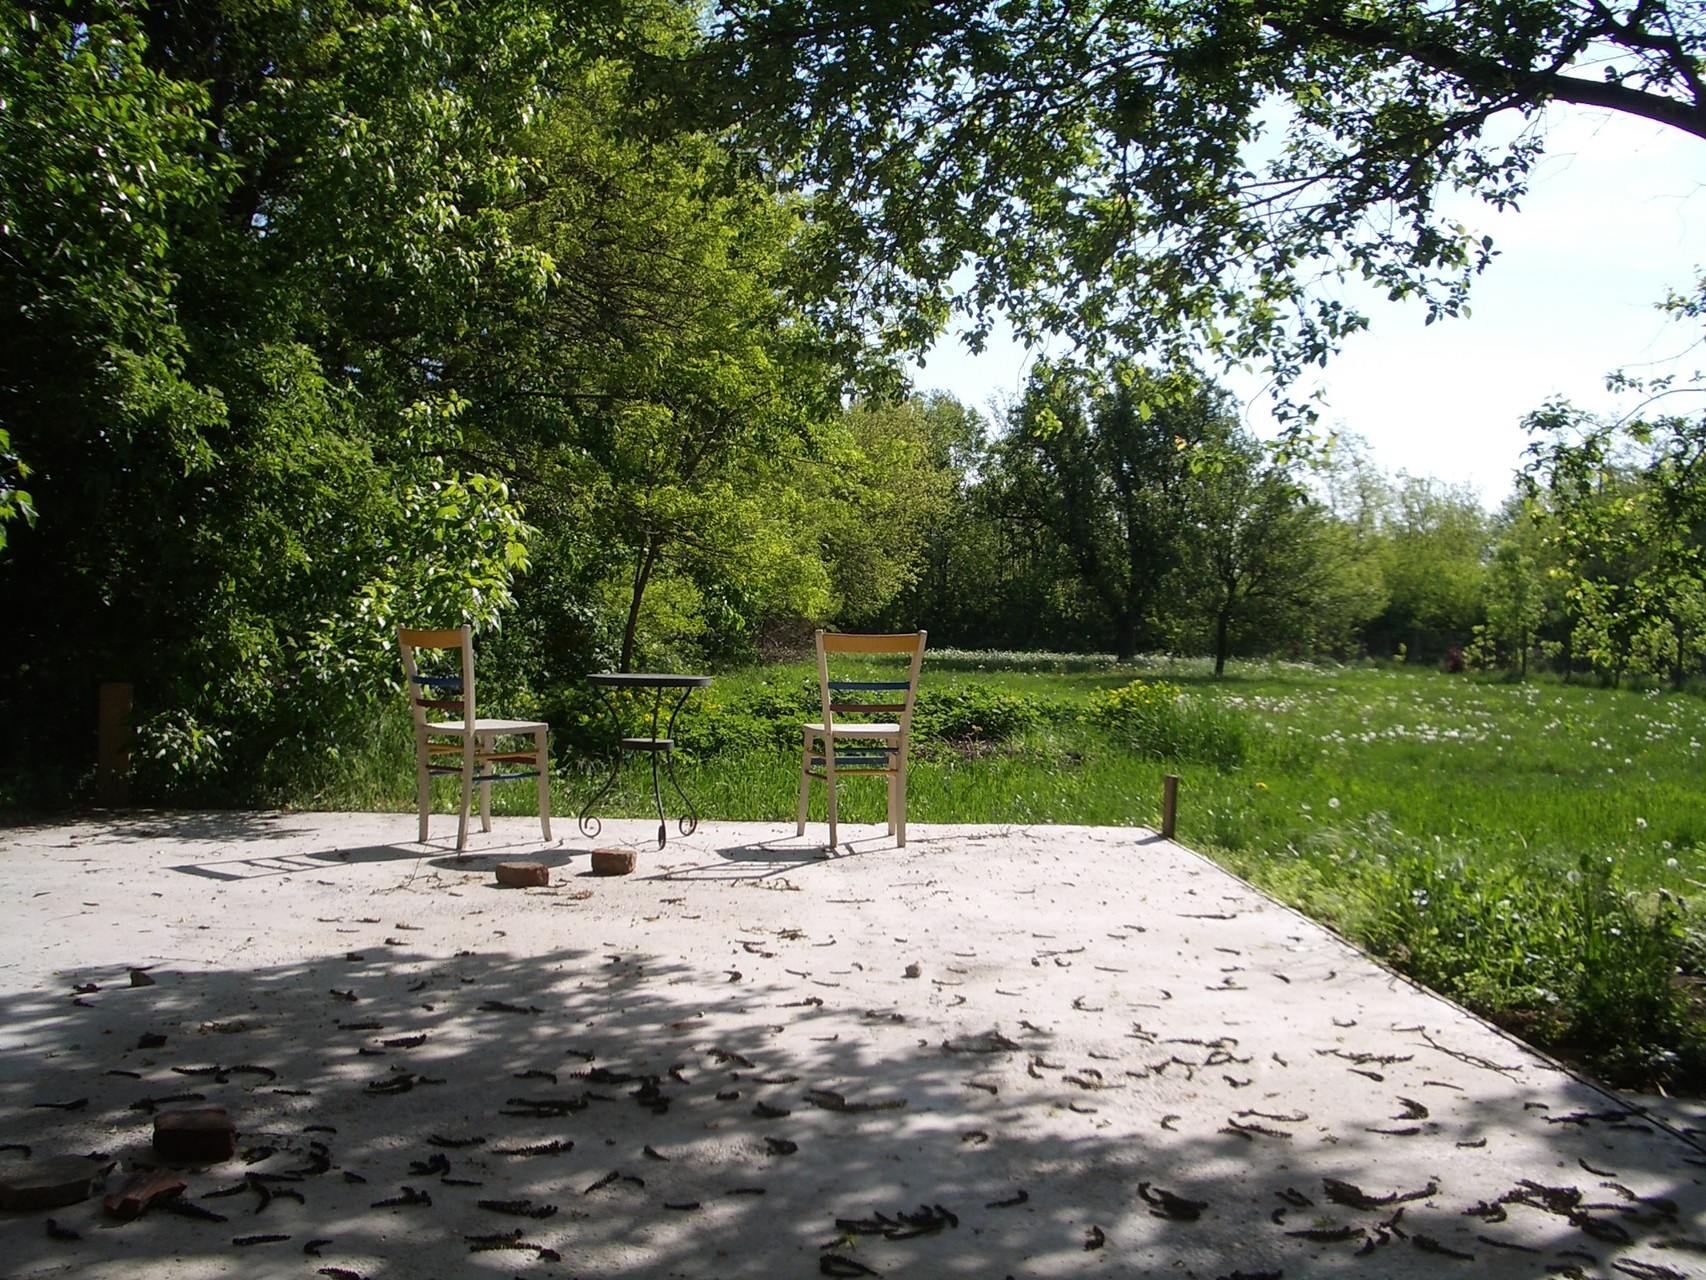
pixel 1589 970
pixel 249 239
pixel 1623 507
pixel 658 394
pixel 1525 591
pixel 1161 722
pixel 1104 467
pixel 965 714
pixel 1433 563
pixel 889 492
pixel 1163 176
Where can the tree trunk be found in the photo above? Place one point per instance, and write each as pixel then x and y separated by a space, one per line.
pixel 1222 629
pixel 642 576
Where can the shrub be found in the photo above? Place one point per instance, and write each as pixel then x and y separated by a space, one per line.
pixel 1162 722
pixel 970 713
pixel 767 717
pixel 1589 971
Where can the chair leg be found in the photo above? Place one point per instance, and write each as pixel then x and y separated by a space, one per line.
pixel 805 784
pixel 484 748
pixel 424 799
pixel 467 802
pixel 897 802
pixel 830 786
pixel 542 747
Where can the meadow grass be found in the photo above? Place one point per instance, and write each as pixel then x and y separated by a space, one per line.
pixel 1535 850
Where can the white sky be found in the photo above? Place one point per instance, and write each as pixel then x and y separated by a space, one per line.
pixel 1615 217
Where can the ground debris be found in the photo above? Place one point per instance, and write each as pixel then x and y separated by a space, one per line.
pixel 523 1208
pixel 924 1221
pixel 1165 1204
pixel 1354 1197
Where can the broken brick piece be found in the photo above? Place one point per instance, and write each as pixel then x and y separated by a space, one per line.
pixel 52 1183
pixel 612 862
pixel 203 1136
pixel 524 875
pixel 139 1191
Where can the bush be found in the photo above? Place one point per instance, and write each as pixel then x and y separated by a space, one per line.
pixel 1588 972
pixel 1162 722
pixel 970 713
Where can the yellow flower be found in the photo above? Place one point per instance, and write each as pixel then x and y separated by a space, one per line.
pixel 1261 786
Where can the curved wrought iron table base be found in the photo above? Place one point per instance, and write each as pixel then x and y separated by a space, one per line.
pixel 611 684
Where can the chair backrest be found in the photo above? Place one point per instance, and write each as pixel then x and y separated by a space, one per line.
pixel 440 668
pixel 869 699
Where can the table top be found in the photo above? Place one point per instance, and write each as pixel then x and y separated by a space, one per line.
pixel 645 680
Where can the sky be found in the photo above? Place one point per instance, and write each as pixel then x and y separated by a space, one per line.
pixel 1615 217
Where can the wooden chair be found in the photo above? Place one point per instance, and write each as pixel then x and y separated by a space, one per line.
pixel 836 747
pixel 440 670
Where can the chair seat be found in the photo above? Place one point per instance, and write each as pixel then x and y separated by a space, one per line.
pixel 842 729
pixel 489 726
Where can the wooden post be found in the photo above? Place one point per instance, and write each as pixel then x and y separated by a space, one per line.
pixel 1169 805
pixel 112 753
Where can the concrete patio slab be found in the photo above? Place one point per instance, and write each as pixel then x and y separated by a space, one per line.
pixel 1027 1052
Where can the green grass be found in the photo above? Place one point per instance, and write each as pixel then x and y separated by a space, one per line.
pixel 1537 851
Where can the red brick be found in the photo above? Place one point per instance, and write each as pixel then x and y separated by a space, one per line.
pixel 524 875
pixel 206 1135
pixel 613 862
pixel 137 1192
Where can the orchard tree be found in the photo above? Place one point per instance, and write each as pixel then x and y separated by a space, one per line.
pixel 1105 465
pixel 1525 588
pixel 1434 541
pixel 1626 507
pixel 1255 562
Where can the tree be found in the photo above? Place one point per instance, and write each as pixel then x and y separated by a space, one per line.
pixel 1254 562
pixel 1626 511
pixel 1433 540
pixel 245 241
pixel 1525 597
pixel 660 390
pixel 1106 468
pixel 1167 176
pixel 890 491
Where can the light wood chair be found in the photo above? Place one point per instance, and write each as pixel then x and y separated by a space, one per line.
pixel 836 747
pixel 440 670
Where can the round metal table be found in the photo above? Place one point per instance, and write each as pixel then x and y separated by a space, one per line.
pixel 611 686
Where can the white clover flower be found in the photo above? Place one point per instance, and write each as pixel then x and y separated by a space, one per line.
pixel 1640 824
pixel 1333 803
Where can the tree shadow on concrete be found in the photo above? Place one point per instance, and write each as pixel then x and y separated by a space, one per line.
pixel 596 1112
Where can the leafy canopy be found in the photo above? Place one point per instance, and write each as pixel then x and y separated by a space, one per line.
pixel 1165 176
